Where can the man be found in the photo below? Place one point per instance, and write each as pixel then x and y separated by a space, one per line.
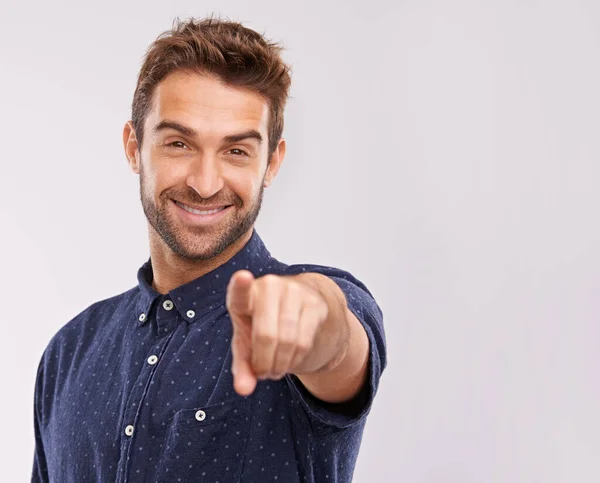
pixel 222 363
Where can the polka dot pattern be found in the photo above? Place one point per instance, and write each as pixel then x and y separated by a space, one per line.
pixel 125 397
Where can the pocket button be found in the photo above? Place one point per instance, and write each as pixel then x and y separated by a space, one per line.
pixel 200 415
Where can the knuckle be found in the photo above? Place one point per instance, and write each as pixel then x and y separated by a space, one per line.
pixel 259 366
pixel 314 301
pixel 286 345
pixel 281 363
pixel 288 324
pixel 270 280
pixel 320 309
pixel 265 337
pixel 320 303
pixel 303 346
pixel 295 287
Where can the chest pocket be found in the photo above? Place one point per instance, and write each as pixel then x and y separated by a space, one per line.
pixel 206 443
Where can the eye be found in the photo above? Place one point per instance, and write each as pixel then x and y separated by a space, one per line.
pixel 180 144
pixel 238 152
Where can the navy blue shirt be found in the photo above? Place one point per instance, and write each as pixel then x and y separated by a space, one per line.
pixel 138 388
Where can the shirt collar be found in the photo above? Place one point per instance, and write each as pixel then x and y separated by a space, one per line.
pixel 197 297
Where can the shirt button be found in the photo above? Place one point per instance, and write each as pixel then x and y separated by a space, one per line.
pixel 200 415
pixel 142 317
pixel 152 359
pixel 168 304
pixel 191 313
pixel 129 430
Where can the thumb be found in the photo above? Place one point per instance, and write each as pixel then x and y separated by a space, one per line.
pixel 239 293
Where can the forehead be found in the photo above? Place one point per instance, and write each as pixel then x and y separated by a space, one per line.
pixel 207 105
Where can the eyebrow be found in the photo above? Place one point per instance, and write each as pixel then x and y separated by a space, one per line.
pixel 231 138
pixel 162 125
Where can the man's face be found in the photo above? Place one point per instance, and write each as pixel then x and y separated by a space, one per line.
pixel 205 145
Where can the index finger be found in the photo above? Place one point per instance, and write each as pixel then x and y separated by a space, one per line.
pixel 239 293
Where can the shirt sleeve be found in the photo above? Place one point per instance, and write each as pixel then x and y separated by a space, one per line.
pixel 39 473
pixel 363 305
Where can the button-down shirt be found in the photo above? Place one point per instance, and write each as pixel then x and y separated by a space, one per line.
pixel 138 388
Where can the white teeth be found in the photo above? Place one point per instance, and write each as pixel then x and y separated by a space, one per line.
pixel 198 212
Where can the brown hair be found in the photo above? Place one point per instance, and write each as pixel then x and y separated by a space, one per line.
pixel 239 56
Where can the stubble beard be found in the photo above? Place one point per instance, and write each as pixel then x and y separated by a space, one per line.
pixel 198 243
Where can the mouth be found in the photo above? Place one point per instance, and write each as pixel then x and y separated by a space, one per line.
pixel 204 211
pixel 203 216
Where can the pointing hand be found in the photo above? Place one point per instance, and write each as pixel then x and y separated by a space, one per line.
pixel 275 320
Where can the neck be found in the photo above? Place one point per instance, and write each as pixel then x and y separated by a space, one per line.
pixel 171 270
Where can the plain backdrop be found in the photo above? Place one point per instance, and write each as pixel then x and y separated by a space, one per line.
pixel 445 153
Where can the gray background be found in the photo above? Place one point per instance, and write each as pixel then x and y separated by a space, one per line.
pixel 445 153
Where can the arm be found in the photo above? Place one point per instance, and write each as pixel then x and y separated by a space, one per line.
pixel 302 326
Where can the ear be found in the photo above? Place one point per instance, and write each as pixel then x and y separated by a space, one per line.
pixel 131 147
pixel 275 162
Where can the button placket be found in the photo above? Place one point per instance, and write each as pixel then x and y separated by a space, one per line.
pixel 136 410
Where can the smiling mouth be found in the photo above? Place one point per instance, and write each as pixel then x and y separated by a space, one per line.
pixel 195 211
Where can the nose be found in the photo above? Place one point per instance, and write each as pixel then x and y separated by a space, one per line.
pixel 205 176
